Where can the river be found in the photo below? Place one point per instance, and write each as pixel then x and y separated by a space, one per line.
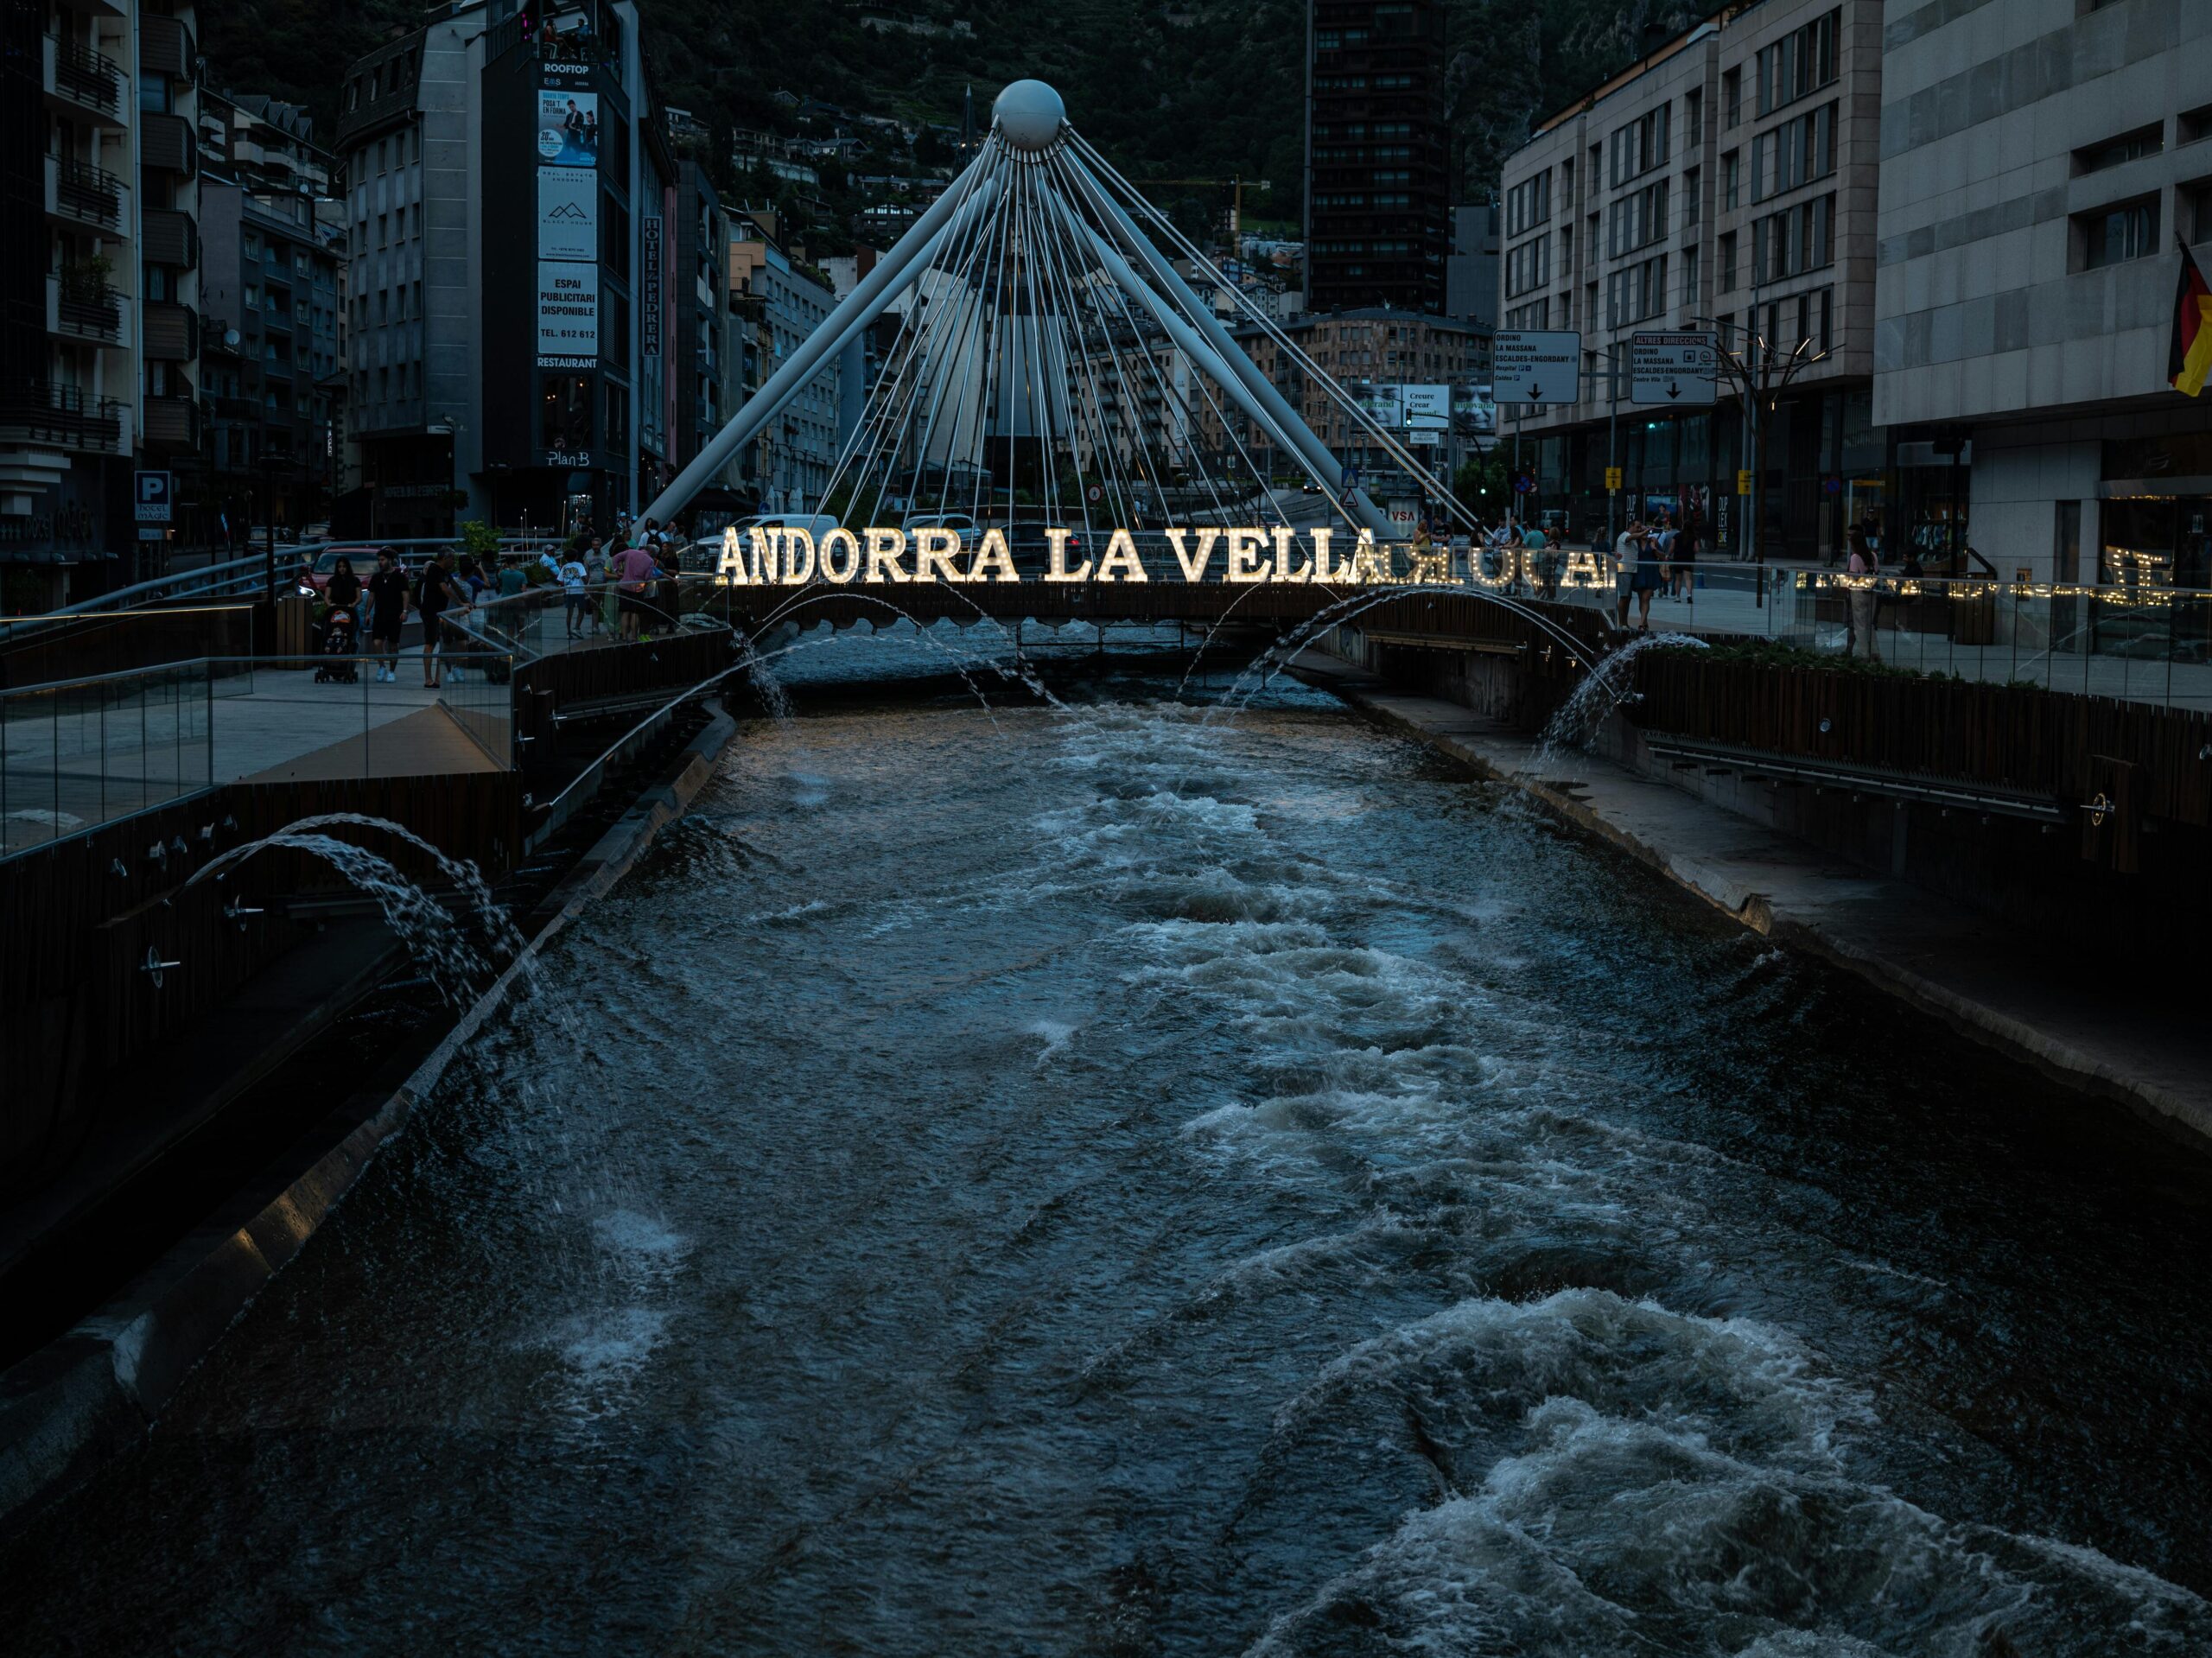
pixel 1125 1180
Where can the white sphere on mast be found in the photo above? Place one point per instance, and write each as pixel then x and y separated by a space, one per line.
pixel 1029 116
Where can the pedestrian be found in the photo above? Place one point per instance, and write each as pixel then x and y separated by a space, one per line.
pixel 1686 550
pixel 387 591
pixel 635 568
pixel 440 590
pixel 573 577
pixel 1543 559
pixel 512 581
pixel 1627 546
pixel 1863 568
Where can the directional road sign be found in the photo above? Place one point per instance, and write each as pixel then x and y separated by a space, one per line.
pixel 1671 368
pixel 1536 366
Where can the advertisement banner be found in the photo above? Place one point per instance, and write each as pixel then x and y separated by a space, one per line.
pixel 568 213
pixel 568 315
pixel 1427 408
pixel 568 127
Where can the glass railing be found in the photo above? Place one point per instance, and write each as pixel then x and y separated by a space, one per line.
pixel 83 753
pixel 87 752
pixel 547 620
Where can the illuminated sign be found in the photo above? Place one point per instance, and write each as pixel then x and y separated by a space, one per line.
pixel 568 315
pixel 568 127
pixel 792 556
pixel 568 213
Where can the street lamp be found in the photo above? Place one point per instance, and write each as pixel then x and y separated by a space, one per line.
pixel 1760 376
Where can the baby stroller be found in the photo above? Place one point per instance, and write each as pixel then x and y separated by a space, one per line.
pixel 337 666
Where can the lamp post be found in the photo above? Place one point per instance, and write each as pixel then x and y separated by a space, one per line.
pixel 1759 375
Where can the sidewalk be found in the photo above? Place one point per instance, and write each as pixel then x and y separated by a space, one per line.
pixel 2024 998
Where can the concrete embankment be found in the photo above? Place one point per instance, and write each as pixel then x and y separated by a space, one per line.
pixel 97 1388
pixel 2027 998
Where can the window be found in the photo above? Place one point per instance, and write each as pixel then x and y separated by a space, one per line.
pixel 1528 203
pixel 1690 194
pixel 2129 146
pixel 1797 239
pixel 2199 198
pixel 1529 266
pixel 564 412
pixel 1637 293
pixel 1693 118
pixel 1726 254
pixel 1731 98
pixel 1690 263
pixel 1636 220
pixel 1732 181
pixel 2112 235
pixel 1639 146
pixel 1801 62
pixel 1797 152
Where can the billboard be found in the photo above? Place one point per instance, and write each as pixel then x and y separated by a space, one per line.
pixel 1426 407
pixel 568 127
pixel 1474 415
pixel 568 315
pixel 568 213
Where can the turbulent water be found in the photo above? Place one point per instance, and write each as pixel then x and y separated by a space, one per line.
pixel 1104 1181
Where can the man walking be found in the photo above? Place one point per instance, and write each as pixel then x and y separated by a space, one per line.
pixel 387 594
pixel 439 592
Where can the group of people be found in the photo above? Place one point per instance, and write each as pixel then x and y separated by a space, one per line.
pixel 634 580
pixel 1653 556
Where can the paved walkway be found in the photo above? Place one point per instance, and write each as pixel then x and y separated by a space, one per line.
pixel 2023 996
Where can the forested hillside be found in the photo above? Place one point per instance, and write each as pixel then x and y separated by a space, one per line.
pixel 1195 88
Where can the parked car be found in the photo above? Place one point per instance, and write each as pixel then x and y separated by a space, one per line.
pixel 959 522
pixel 363 555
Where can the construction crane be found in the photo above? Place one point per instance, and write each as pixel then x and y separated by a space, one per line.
pixel 1235 185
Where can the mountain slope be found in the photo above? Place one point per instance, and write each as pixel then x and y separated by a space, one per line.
pixel 1195 89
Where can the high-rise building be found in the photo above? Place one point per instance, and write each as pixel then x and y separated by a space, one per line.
pixel 505 213
pixel 1377 160
pixel 99 335
pixel 272 262
pixel 788 464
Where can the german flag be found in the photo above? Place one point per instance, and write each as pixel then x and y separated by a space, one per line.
pixel 2189 359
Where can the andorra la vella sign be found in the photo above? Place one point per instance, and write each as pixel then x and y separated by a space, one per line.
pixel 792 555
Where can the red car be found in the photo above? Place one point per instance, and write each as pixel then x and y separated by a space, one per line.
pixel 364 557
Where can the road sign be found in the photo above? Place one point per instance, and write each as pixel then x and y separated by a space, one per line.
pixel 1536 366
pixel 1523 484
pixel 1612 478
pixel 1671 368
pixel 155 497
pixel 1095 493
pixel 1744 482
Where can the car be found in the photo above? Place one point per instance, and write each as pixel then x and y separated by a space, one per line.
pixel 959 522
pixel 364 557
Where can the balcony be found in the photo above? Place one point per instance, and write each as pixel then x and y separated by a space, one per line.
pixel 82 196
pixel 165 47
pixel 35 411
pixel 78 82
pixel 168 238
pixel 170 332
pixel 167 142
pixel 172 422
pixel 83 309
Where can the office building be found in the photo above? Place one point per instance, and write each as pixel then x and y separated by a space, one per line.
pixel 1725 182
pixel 1377 159
pixel 2039 164
pixel 500 196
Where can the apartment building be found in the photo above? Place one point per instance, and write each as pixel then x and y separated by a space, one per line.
pixel 273 264
pixel 1418 375
pixel 1724 181
pixel 98 323
pixel 1377 159
pixel 2041 159
pixel 787 467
